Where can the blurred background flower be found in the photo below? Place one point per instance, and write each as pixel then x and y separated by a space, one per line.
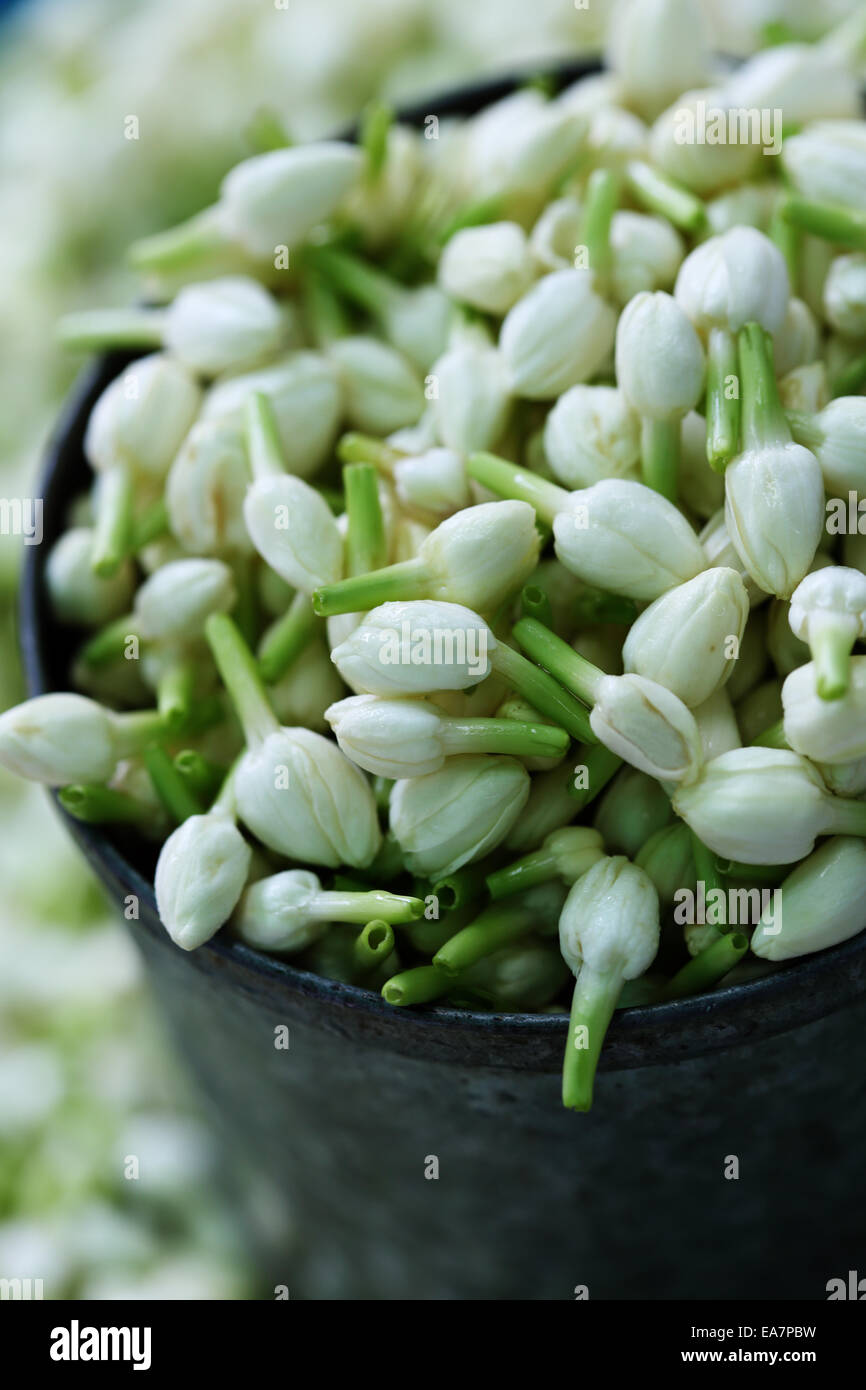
pixel 86 1080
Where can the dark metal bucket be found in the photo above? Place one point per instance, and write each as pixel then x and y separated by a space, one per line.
pixel 390 1154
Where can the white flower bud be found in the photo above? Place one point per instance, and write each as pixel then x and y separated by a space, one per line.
pixel 610 921
pixel 558 334
pixel 200 875
pixel 206 487
pixel 806 82
pixel 757 806
pixel 481 554
pixel 836 593
pixel 822 903
pixel 277 913
pixel 473 398
pixel 574 848
pixel 657 48
pixel 591 433
pixel 310 685
pixel 276 199
pixel 303 798
pixel 556 234
pixel 521 144
pixel 77 594
pixel 172 605
pixel 455 816
pixel 57 739
pixel 418 323
pixel 223 325
pixel 305 395
pixel 489 267
pixel 140 420
pixel 414 648
pixel 678 144
pixel 390 738
pixel 702 489
pixel 648 726
pixel 732 279
pixel 627 539
pixel 826 731
pixel 647 253
pixel 841 448
pixel 433 482
pixel 806 388
pixel 828 162
pixel 380 388
pixel 797 342
pixel 294 530
pixel 688 639
pixel 659 358
pixel 774 512
pixel 845 295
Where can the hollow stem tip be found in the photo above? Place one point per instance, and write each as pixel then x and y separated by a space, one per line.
pixel 420 985
pixel 495 927
pixel 373 945
pixel 98 805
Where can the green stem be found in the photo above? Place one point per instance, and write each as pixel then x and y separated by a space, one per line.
pixel 109 643
pixel 832 222
pixel 600 765
pixel 419 985
pixel 99 329
pixel 364 448
pixel 597 606
pixel 538 867
pixel 660 455
pixel 512 736
pixel 367 906
pixel 471 215
pixel 151 525
pixel 723 412
pixel 459 889
pixel 592 1008
pixel 240 677
pixel 708 968
pixel 540 689
pixel 247 611
pixel 534 603
pixel 561 660
pixel 764 421
pixel 660 194
pixel 175 692
pixel 286 639
pixel 495 927
pixel 359 593
pixel 170 787
pixel 366 548
pixel 373 946
pixel 508 480
pixel 376 121
pixel 831 639
pixel 181 246
pixel 600 201
pixel 851 379
pixel 707 869
pixel 324 316
pixel 369 288
pixel 263 438
pixel 203 777
pixel 138 730
pixel 786 236
pixel 97 805
pixel 115 501
pixel 774 737
pixel 846 817
pixel 265 131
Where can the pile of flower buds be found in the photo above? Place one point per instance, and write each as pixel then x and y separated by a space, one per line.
pixel 471 579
